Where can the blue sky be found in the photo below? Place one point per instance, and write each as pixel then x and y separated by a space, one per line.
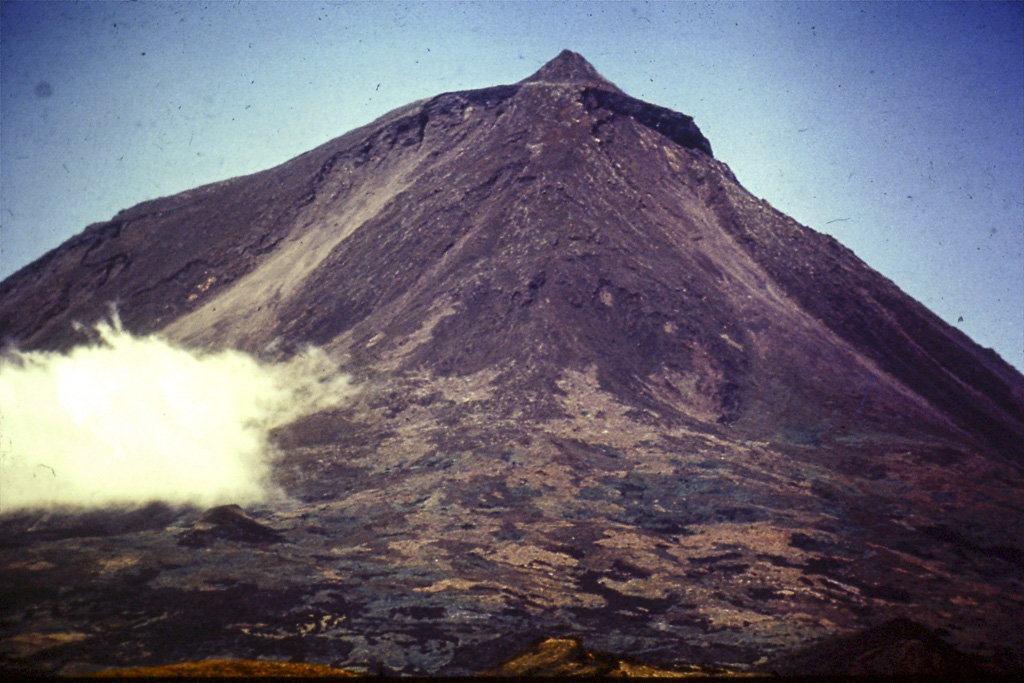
pixel 896 127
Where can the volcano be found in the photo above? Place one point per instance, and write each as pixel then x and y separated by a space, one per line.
pixel 604 393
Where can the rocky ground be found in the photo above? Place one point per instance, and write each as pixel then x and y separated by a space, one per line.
pixel 416 535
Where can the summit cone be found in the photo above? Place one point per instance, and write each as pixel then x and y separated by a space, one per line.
pixel 571 68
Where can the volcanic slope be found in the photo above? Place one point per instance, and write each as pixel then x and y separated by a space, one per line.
pixel 604 392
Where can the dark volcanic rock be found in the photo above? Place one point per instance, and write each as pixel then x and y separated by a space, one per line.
pixel 603 392
pixel 899 647
pixel 677 127
pixel 230 523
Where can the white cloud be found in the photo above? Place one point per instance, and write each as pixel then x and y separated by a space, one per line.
pixel 129 420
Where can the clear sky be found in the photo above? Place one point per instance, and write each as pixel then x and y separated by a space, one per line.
pixel 896 127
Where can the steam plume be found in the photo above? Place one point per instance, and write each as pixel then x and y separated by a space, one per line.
pixel 129 420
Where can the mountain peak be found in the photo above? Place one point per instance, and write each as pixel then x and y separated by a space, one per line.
pixel 570 67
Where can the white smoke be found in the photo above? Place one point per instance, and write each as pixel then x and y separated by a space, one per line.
pixel 130 420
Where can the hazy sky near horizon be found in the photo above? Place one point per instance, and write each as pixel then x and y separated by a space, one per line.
pixel 896 127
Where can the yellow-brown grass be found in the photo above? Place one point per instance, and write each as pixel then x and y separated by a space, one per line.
pixel 227 667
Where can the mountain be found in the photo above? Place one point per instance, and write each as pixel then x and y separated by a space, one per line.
pixel 603 391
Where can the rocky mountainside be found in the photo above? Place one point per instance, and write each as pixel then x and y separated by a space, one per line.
pixel 603 392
